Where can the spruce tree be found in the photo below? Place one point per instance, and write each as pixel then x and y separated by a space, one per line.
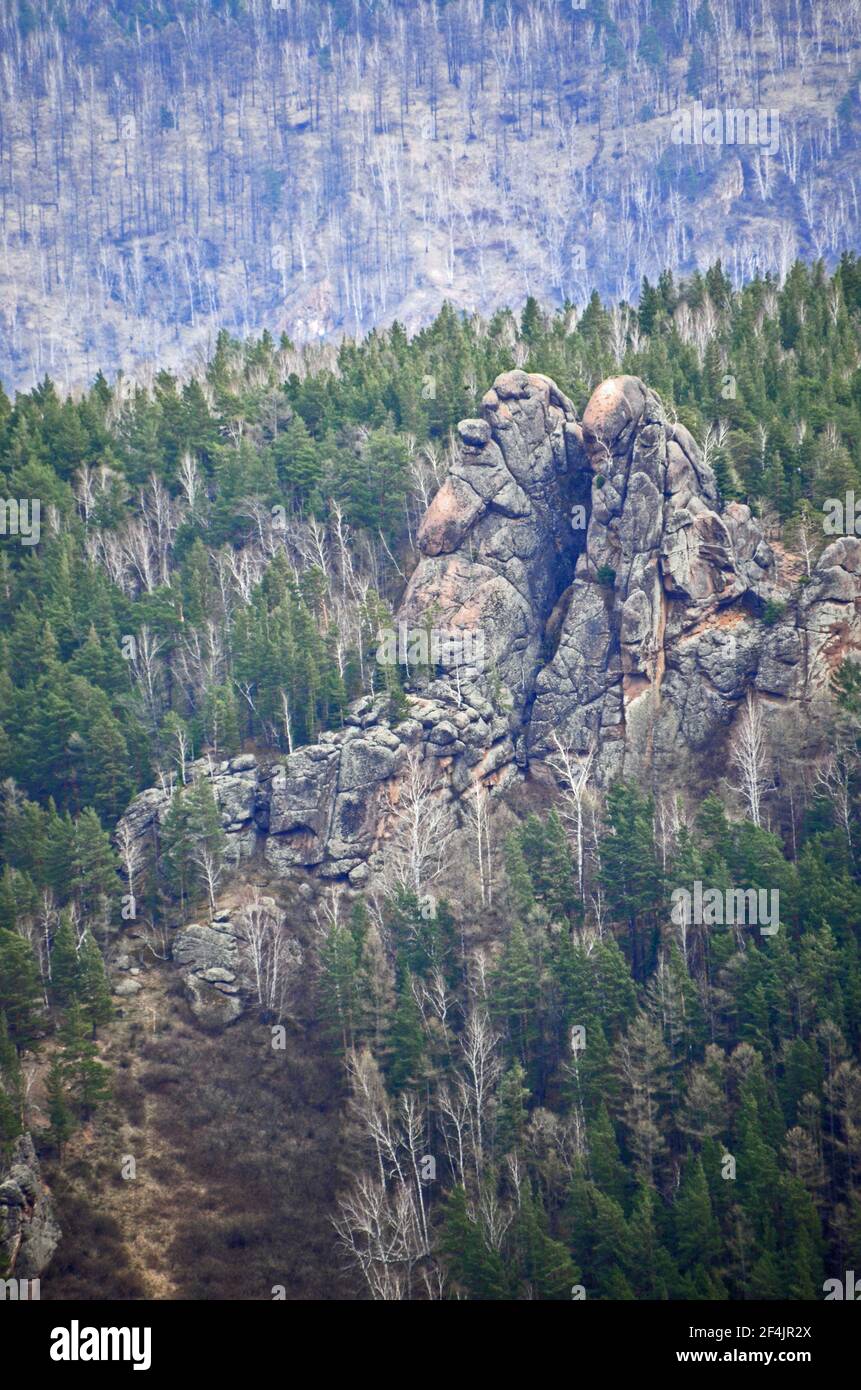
pixel 545 1266
pixel 93 991
pixel 94 864
pixel 606 1168
pixel 511 1113
pixel 515 992
pixel 62 1124
pixel 88 1079
pixel 20 990
pixel 476 1269
pixel 406 1040
pixel 11 1091
pixel 631 872
pixel 698 1237
pixel 65 968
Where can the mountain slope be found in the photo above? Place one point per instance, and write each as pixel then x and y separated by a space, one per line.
pixel 319 168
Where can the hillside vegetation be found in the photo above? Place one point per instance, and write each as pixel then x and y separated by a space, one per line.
pixel 217 554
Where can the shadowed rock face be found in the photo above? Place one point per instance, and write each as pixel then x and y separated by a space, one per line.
pixel 635 631
pixel 29 1233
pixel 497 541
pixel 661 563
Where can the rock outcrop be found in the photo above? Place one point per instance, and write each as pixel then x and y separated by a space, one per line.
pixel 647 623
pixel 497 542
pixel 590 588
pixel 29 1232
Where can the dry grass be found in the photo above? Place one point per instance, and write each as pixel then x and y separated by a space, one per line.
pixel 236 1150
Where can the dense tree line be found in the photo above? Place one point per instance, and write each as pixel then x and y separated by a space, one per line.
pixel 216 556
pixel 673 1120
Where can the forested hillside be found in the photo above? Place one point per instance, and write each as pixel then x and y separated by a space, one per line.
pixel 171 168
pixel 247 528
pixel 217 556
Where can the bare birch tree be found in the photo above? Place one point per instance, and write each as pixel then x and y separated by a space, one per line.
pixel 273 955
pixel 574 773
pixel 749 756
pixel 382 1221
pixel 421 828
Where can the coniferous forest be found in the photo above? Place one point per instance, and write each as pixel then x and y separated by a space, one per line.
pixel 217 555
pixel 430 674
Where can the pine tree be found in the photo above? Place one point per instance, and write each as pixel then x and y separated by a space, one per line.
pixel 605 1161
pixel 298 462
pixel 631 872
pixel 339 984
pixel 175 847
pixel 11 1091
pixel 20 990
pixel 406 1040
pixel 8 904
pixel 642 1064
pixel 653 1273
pixel 220 721
pixel 65 967
pixel 511 1113
pixel 546 1267
pixel 519 877
pixel 93 991
pixel 613 1252
pixel 758 1171
pixel 547 856
pixel 613 990
pixel 193 841
pixel 515 992
pixel 801 1244
pixel 110 783
pixel 59 852
pixel 62 1124
pixel 532 325
pixel 475 1268
pixel 88 1079
pixel 94 864
pixel 698 1237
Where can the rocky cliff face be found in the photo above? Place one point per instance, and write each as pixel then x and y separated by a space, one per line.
pixel 591 589
pixel 658 636
pixel 28 1228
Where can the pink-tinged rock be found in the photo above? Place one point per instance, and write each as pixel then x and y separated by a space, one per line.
pixel 448 518
pixel 612 406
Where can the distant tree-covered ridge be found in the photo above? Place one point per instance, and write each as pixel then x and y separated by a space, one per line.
pixel 171 168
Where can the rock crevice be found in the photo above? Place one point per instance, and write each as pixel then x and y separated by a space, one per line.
pixel 632 632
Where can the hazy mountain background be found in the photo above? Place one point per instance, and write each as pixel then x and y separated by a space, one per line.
pixel 320 167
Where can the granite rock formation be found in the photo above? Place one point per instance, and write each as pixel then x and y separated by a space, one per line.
pixel 29 1232
pixel 592 589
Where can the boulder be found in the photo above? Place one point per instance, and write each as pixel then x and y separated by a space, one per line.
pixel 213 971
